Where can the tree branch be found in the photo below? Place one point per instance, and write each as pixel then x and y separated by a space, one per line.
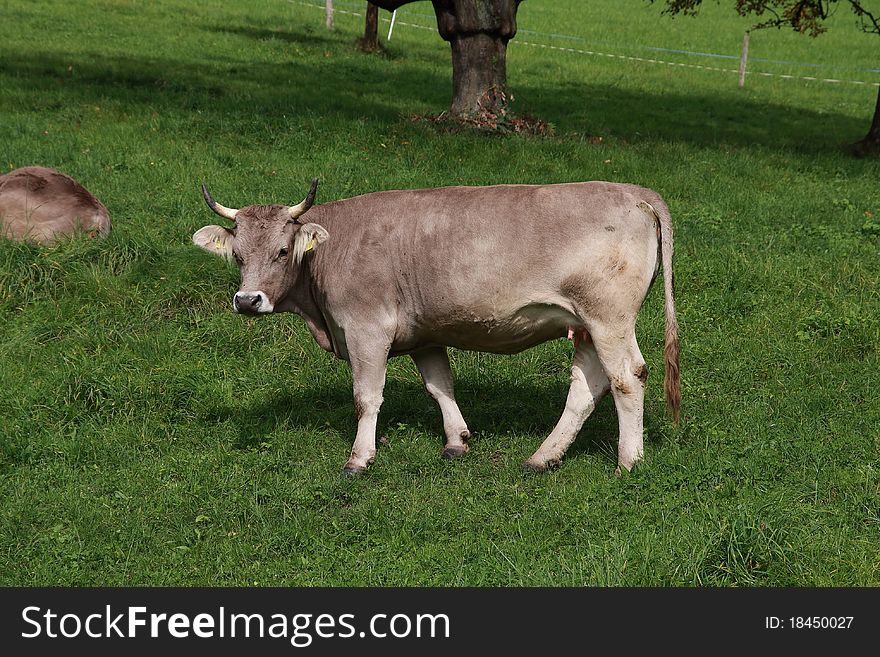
pixel 870 23
pixel 800 15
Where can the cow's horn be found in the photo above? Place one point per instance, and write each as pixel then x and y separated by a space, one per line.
pixel 222 210
pixel 300 209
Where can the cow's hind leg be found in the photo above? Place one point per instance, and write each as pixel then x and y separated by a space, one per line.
pixel 588 385
pixel 434 367
pixel 626 369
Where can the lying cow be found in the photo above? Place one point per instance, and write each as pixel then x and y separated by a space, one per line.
pixel 42 205
pixel 497 269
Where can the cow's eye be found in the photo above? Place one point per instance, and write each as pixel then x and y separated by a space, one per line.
pixel 238 258
pixel 282 253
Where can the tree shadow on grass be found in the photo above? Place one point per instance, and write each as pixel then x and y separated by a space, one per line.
pixel 239 95
pixel 231 92
pixel 323 39
pixel 296 38
pixel 700 119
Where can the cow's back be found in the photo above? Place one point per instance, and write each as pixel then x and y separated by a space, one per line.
pixel 41 204
pixel 483 267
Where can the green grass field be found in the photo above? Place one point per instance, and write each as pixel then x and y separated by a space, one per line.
pixel 150 436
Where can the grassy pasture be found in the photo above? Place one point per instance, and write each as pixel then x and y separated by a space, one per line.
pixel 149 436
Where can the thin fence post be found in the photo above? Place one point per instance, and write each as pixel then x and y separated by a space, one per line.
pixel 391 27
pixel 743 60
pixel 329 6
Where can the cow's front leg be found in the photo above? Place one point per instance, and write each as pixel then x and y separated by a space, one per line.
pixel 368 374
pixel 434 367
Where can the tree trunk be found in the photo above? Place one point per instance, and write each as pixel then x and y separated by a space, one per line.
pixel 478 32
pixel 870 145
pixel 479 74
pixel 370 42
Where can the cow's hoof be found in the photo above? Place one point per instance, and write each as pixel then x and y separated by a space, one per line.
pixel 352 471
pixel 626 466
pixel 453 452
pixel 532 467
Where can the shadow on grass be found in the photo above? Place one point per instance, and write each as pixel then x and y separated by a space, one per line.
pixel 698 119
pixel 350 87
pixel 490 410
pixel 240 95
pixel 298 38
pixel 322 39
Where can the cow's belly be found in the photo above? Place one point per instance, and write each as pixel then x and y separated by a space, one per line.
pixel 500 333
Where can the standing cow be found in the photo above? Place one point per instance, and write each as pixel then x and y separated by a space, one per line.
pixel 497 269
pixel 41 205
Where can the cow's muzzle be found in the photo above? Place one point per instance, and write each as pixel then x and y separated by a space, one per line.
pixel 252 303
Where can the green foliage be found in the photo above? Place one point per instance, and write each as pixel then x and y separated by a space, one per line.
pixel 804 16
pixel 149 436
pixel 871 226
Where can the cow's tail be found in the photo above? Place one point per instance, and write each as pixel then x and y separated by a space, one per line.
pixel 672 383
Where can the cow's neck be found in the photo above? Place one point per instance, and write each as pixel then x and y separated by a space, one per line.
pixel 302 302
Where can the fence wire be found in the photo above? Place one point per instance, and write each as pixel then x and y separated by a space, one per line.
pixel 597 53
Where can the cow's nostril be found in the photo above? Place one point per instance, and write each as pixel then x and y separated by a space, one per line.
pixel 251 303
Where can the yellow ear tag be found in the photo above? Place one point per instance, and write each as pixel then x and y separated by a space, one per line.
pixel 310 245
pixel 218 243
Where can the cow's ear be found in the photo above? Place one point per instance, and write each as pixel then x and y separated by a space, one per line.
pixel 307 238
pixel 216 240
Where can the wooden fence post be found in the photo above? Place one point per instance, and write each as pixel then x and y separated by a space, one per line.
pixel 329 7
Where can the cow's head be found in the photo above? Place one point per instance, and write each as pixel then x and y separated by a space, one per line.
pixel 268 242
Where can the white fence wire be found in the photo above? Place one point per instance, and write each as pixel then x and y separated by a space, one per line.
pixel 596 53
